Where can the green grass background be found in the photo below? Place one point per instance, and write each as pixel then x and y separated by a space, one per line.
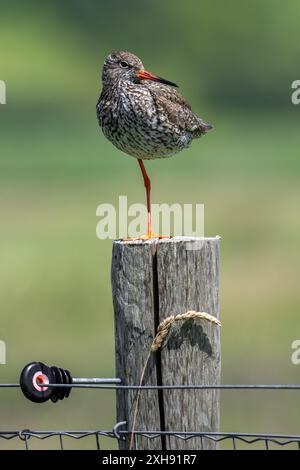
pixel 56 167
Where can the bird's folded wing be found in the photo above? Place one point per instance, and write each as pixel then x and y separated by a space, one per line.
pixel 178 111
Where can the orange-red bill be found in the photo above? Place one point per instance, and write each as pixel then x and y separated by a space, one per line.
pixel 144 75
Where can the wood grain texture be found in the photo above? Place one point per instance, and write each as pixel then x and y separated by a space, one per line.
pixel 188 279
pixel 150 281
pixel 132 289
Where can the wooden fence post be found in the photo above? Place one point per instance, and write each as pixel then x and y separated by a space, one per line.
pixel 150 281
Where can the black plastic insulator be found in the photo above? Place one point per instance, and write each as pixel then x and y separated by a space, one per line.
pixel 34 379
pixel 30 384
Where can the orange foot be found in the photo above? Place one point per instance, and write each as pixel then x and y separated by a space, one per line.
pixel 146 237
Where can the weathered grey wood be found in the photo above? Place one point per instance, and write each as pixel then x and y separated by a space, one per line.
pixel 132 288
pixel 188 279
pixel 152 280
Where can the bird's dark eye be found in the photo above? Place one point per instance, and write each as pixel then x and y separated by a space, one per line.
pixel 124 64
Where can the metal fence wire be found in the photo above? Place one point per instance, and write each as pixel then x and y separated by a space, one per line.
pixel 233 441
pixel 99 439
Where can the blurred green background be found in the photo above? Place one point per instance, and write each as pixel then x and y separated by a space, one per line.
pixel 235 62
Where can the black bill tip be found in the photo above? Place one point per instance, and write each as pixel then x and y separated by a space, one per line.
pixel 166 82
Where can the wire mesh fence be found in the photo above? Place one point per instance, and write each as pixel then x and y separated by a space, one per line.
pixel 232 441
pixel 99 439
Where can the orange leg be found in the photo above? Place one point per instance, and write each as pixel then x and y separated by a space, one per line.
pixel 147 184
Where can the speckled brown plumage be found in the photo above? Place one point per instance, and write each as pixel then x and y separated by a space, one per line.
pixel 142 114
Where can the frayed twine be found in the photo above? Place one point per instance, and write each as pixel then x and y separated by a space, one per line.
pixel 162 332
pixel 164 327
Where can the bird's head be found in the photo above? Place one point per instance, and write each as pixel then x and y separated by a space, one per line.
pixel 121 65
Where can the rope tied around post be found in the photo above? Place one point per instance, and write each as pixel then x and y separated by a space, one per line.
pixel 162 332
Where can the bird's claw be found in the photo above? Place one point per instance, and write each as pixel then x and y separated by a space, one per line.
pixel 148 236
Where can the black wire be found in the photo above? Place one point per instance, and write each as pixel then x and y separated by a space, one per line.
pixel 172 387
pixel 246 438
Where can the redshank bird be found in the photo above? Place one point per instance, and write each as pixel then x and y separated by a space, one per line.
pixel 143 114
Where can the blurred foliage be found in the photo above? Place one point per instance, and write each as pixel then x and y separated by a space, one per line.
pixel 231 53
pixel 235 62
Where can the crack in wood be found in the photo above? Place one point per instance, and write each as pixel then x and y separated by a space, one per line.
pixel 158 353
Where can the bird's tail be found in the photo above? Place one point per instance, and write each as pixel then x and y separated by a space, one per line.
pixel 203 128
pixel 207 126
